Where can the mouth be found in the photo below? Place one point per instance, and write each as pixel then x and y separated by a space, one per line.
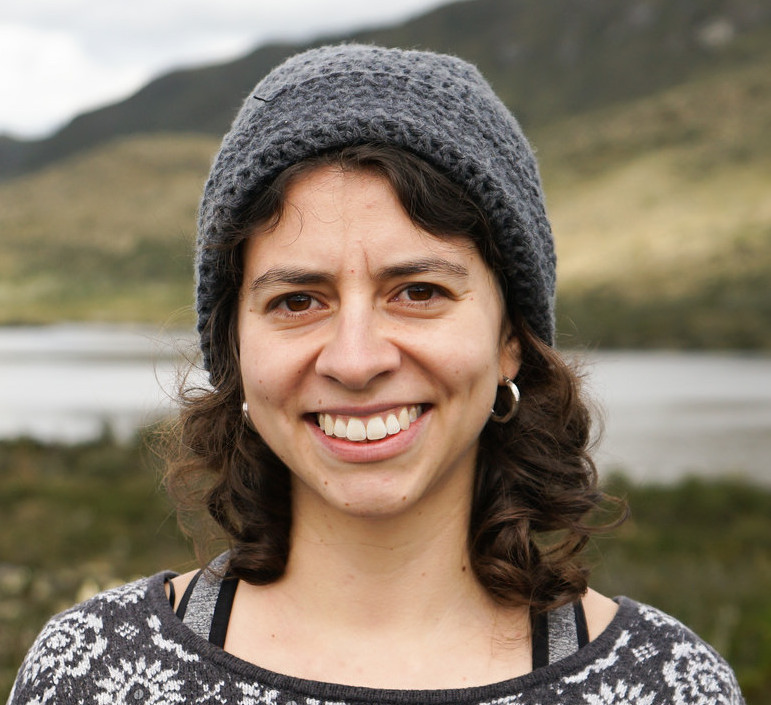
pixel 361 429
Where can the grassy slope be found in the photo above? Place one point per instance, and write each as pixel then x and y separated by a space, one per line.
pixel 662 216
pixel 104 236
pixel 660 208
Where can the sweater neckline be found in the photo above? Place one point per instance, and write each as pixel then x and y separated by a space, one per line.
pixel 173 628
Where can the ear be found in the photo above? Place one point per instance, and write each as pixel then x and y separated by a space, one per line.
pixel 510 357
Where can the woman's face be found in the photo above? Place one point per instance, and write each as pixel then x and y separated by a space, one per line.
pixel 370 350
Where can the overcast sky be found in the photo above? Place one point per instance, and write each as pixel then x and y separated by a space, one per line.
pixel 61 57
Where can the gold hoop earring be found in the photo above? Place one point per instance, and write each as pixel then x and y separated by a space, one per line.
pixel 508 415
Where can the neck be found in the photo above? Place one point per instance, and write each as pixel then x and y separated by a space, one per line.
pixel 381 602
pixel 392 571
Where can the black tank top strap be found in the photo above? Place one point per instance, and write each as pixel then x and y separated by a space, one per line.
pixel 205 606
pixel 582 630
pixel 207 602
pixel 540 639
pixel 558 633
pixel 222 609
pixel 172 592
pixel 183 602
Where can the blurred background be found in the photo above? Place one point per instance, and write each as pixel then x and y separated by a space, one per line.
pixel 652 124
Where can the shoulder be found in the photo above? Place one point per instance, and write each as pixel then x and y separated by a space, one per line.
pixel 87 624
pixel 600 612
pixel 644 655
pixel 180 583
pixel 88 643
pixel 665 634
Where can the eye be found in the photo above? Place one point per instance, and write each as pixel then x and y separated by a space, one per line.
pixel 294 304
pixel 298 302
pixel 420 292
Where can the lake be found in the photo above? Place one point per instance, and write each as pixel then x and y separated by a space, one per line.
pixel 666 414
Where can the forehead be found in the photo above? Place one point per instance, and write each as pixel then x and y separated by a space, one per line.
pixel 332 216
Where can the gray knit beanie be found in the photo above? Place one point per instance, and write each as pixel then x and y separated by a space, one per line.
pixel 436 106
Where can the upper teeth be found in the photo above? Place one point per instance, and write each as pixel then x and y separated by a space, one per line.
pixel 372 428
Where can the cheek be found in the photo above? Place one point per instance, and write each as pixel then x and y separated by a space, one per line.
pixel 270 373
pixel 469 368
pixel 473 349
pixel 261 373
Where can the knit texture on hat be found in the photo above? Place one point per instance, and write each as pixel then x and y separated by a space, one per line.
pixel 436 106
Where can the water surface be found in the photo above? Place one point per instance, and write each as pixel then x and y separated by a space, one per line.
pixel 666 414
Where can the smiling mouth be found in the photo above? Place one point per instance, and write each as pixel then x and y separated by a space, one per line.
pixel 370 428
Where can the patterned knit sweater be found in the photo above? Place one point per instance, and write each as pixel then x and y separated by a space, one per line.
pixel 127 646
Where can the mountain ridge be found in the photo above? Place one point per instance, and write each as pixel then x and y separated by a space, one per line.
pixel 544 61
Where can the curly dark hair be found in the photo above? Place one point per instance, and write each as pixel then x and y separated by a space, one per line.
pixel 536 490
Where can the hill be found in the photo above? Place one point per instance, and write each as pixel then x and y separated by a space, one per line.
pixel 658 193
pixel 106 235
pixel 662 217
pixel 546 58
pixel 660 209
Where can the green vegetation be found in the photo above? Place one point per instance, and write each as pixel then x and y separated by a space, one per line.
pixel 701 551
pixel 77 519
pixel 83 518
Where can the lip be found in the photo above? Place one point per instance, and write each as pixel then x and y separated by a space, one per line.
pixel 368 451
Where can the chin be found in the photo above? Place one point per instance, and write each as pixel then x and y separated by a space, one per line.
pixel 374 505
pixel 363 498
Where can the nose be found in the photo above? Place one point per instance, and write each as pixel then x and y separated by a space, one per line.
pixel 358 349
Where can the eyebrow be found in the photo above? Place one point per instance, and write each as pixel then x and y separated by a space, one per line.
pixel 428 265
pixel 289 275
pixel 303 277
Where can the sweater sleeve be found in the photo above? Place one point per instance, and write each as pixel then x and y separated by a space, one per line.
pixel 78 648
pixel 654 660
pixel 691 668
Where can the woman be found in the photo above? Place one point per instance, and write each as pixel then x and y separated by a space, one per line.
pixel 397 456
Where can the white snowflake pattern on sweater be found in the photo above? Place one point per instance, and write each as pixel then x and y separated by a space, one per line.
pixel 127 647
